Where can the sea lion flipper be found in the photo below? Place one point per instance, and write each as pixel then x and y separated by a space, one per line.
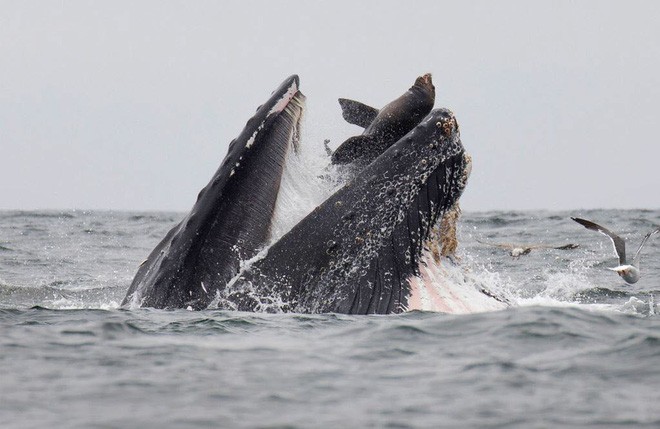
pixel 352 149
pixel 357 113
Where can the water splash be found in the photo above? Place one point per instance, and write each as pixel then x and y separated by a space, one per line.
pixel 308 180
pixel 575 284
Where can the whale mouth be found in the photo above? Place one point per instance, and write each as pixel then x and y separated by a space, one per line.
pixel 354 253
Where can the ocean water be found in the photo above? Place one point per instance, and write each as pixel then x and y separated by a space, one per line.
pixel 578 348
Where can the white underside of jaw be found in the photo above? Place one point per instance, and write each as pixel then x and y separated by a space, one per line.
pixel 444 289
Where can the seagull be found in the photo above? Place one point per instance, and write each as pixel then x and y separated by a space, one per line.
pixel 517 250
pixel 628 272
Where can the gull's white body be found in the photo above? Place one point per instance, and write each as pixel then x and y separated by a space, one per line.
pixel 629 273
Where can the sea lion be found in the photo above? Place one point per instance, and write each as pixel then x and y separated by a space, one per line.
pixel 386 126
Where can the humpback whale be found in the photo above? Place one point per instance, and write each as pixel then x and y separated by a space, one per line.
pixel 231 218
pixel 371 247
pixel 385 126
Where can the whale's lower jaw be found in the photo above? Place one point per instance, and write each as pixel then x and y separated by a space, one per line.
pixel 442 285
pixel 232 217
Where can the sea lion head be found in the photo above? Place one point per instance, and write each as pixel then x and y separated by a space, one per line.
pixel 425 81
pixel 425 84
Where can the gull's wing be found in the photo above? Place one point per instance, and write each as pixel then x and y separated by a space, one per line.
pixel 646 237
pixel 619 244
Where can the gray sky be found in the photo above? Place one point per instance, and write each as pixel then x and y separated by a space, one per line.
pixel 131 105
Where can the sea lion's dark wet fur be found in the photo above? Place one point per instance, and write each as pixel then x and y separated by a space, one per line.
pixel 385 127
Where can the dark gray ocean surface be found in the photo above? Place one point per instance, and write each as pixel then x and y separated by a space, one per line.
pixel 579 348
